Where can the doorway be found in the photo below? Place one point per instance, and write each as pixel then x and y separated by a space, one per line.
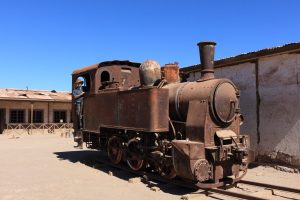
pixel 2 120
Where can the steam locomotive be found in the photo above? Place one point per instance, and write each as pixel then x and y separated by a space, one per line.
pixel 146 116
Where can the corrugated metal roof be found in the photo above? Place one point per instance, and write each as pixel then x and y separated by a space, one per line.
pixel 34 95
pixel 248 57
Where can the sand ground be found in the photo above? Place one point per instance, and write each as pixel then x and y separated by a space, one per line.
pixel 48 167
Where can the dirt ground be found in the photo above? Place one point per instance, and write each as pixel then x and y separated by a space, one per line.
pixel 48 167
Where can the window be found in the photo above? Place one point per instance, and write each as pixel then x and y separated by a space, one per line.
pixel 60 116
pixel 17 116
pixel 105 76
pixel 85 82
pixel 38 116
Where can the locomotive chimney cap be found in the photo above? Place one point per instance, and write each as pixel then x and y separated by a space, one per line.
pixel 207 51
pixel 206 43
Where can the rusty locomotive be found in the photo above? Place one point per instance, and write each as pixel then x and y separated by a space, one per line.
pixel 152 120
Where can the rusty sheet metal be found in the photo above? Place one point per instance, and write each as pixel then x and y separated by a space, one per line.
pixel 85 69
pixel 185 155
pixel 106 63
pixel 122 77
pixel 103 113
pixel 195 123
pixel 170 72
pixel 226 168
pixel 145 109
pixel 248 57
pixel 141 110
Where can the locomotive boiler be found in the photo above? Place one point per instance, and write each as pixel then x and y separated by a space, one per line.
pixel 151 120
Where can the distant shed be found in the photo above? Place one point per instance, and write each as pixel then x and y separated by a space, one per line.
pixel 269 80
pixel 34 108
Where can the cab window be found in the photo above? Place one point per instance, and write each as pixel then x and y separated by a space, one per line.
pixel 86 82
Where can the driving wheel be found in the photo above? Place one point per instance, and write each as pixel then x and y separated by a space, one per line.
pixel 114 149
pixel 134 155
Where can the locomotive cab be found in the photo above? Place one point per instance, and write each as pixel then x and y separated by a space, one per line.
pixel 97 78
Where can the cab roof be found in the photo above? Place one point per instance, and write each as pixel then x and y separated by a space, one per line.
pixel 104 64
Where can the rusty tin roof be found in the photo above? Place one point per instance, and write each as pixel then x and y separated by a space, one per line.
pixel 106 63
pixel 249 57
pixel 34 95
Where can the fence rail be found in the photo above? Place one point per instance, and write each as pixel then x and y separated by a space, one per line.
pixel 28 128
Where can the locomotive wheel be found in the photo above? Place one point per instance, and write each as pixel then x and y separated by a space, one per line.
pixel 134 160
pixel 114 149
pixel 135 164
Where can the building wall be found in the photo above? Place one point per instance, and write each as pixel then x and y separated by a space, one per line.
pixel 26 105
pixel 279 92
pixel 270 103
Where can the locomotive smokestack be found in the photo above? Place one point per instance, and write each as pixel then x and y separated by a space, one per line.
pixel 207 51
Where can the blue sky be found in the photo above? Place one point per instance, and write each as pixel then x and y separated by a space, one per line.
pixel 43 41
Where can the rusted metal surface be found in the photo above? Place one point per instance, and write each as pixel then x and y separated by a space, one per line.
pixel 217 103
pixel 123 110
pixel 85 69
pixel 170 72
pixel 269 186
pixel 152 104
pixel 190 129
pixel 114 149
pixel 121 77
pixel 107 63
pixel 149 72
pixel 248 57
pixel 207 51
pixel 134 159
pixel 223 101
pixel 185 155
pixel 113 75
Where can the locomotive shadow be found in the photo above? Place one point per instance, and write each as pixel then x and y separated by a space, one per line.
pixel 92 159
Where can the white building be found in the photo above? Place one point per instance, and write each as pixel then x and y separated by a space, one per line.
pixel 24 109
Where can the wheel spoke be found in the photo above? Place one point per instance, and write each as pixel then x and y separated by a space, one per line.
pixel 114 149
pixel 134 160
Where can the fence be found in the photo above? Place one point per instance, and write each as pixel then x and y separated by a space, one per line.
pixel 51 128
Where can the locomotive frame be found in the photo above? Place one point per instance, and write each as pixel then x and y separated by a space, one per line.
pixel 185 129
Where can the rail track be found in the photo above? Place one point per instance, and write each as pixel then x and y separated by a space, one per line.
pixel 148 176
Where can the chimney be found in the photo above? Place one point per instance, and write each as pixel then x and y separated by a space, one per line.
pixel 170 72
pixel 207 51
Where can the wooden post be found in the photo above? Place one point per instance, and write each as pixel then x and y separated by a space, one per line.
pixel 31 118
